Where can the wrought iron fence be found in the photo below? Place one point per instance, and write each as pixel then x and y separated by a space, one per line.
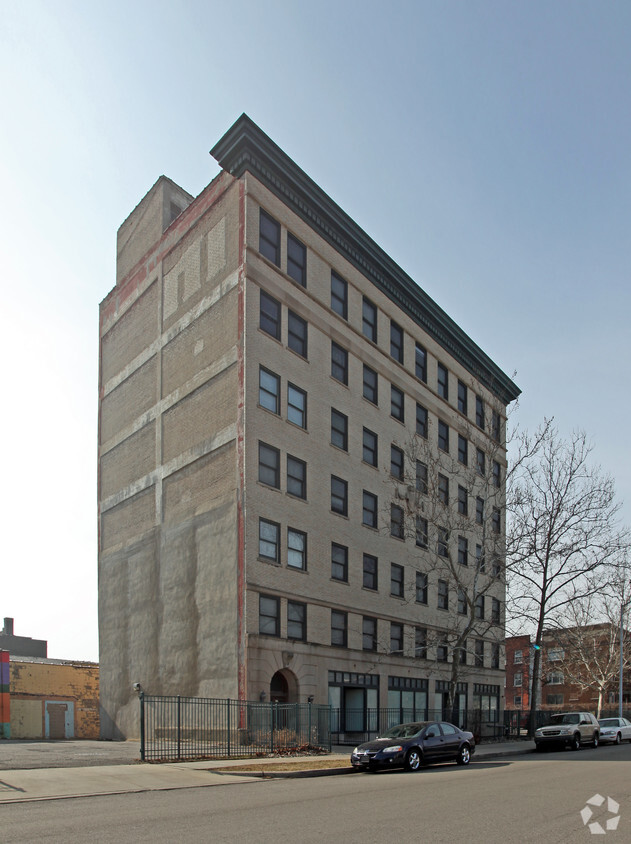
pixel 174 728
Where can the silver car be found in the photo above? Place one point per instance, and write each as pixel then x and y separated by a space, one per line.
pixel 570 729
pixel 615 730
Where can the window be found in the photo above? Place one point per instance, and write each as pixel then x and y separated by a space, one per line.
pixel 495 521
pixel 463 550
pixel 339 363
pixel 269 540
pixel 442 381
pixel 442 650
pixel 556 654
pixel 518 657
pixel 396 638
pixel 479 558
pixel 420 362
pixel 396 580
pixel 296 406
pixel 339 295
pixel 370 574
pixel 421 477
pixel 478 607
pixel 396 341
pixel 479 510
pixel 497 474
pixel 420 642
pixel 495 655
pixel 371 383
pixel 339 496
pixel 443 542
pixel 296 549
pixel 396 462
pixel 462 659
pixel 517 701
pixel 463 501
pixel 479 412
pixel 397 410
pixel 297 334
pixel 296 477
pixel 296 621
pixel 443 436
pixel 396 521
pixel 421 421
pixel 369 509
pixel 554 700
pixel 369 319
pixel 463 450
pixel 462 601
pixel 421 587
pixel 369 633
pixel 269 465
pixel 443 595
pixel 339 628
pixel 495 611
pixel 269 237
pixel 421 532
pixel 269 390
pixel 370 447
pixel 269 615
pixel 269 317
pixel 555 678
pixel 462 397
pixel 495 425
pixel 443 489
pixel 339 429
pixel 480 459
pixel 479 653
pixel 339 562
pixel 497 567
pixel 296 260
pixel 517 679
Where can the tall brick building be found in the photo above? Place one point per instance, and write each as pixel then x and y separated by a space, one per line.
pixel 264 368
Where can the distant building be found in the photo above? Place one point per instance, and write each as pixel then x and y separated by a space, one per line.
pixel 518 672
pixel 21 645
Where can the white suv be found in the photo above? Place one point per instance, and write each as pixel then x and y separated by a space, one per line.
pixel 571 729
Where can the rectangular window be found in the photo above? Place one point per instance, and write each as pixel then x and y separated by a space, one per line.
pixel 339 496
pixel 370 573
pixel 495 521
pixel 396 521
pixel 421 420
pixel 269 390
pixel 396 341
pixel 421 477
pixel 269 237
pixel 296 260
pixel 497 474
pixel 479 510
pixel 462 601
pixel 370 446
pixel 463 501
pixel 371 384
pixel 554 700
pixel 369 633
pixel 421 532
pixel 478 610
pixel 443 489
pixel 269 315
pixel 420 362
pixel 269 540
pixel 495 611
pixel 420 642
pixel 443 436
pixel 421 587
pixel 369 319
pixel 517 679
pixel 396 462
pixel 479 559
pixel 396 638
pixel 442 546
pixel 296 621
pixel 397 409
pixel 496 425
pixel 297 334
pixel 463 450
pixel 495 655
pixel 339 562
pixel 369 509
pixel 396 580
pixel 339 363
pixel 339 628
pixel 442 381
pixel 463 653
pixel 269 615
pixel 296 477
pixel 269 465
pixel 479 412
pixel 296 406
pixel 443 595
pixel 479 653
pixel 339 429
pixel 462 397
pixel 517 701
pixel 480 460
pixel 463 550
pixel 339 295
pixel 296 549
pixel 442 650
pixel 518 657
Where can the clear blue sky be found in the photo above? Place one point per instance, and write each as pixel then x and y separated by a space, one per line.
pixel 485 145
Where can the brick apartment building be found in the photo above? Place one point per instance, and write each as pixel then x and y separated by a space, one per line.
pixel 264 366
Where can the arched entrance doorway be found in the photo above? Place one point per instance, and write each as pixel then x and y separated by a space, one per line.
pixel 283 687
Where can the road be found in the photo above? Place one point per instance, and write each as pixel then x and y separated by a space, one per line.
pixel 535 798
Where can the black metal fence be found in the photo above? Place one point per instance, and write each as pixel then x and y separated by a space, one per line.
pixel 175 728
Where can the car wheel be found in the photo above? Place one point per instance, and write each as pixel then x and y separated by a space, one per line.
pixel 464 755
pixel 576 742
pixel 595 740
pixel 413 760
pixel 618 738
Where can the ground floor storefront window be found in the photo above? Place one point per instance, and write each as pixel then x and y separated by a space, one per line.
pixel 407 700
pixel 354 702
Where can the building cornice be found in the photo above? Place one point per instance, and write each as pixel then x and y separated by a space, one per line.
pixel 246 147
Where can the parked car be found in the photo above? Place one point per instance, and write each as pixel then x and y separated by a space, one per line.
pixel 615 730
pixel 570 729
pixel 412 745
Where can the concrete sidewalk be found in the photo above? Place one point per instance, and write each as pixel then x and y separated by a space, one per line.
pixel 18 786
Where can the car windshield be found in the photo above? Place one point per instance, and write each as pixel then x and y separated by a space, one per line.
pixel 404 730
pixel 609 722
pixel 564 719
